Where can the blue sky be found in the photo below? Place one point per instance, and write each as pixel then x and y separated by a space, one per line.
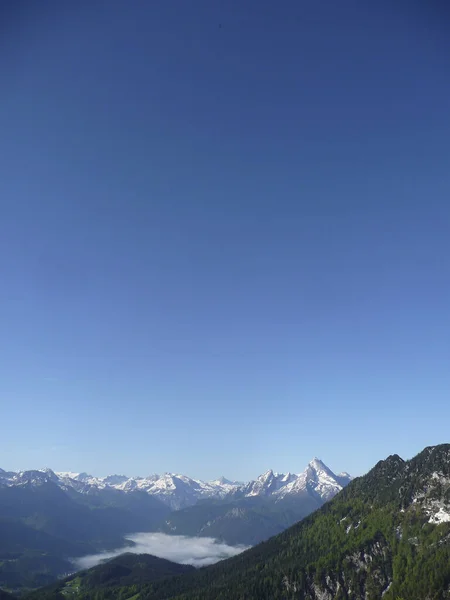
pixel 224 235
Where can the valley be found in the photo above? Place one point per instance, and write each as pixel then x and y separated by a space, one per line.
pixel 382 536
pixel 49 521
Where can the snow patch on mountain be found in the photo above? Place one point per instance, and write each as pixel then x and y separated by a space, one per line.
pixel 441 516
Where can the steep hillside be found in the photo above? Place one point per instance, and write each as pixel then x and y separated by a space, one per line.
pixel 386 535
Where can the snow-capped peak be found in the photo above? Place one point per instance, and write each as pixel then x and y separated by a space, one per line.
pixel 67 474
pixel 115 479
pixel 344 474
pixel 268 475
pixel 317 464
pixel 49 473
pixel 317 479
pixel 222 481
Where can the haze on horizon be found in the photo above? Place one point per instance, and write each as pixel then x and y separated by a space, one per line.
pixel 224 235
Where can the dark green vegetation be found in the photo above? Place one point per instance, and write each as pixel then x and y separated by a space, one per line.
pixel 242 521
pixel 109 579
pixel 42 526
pixel 373 540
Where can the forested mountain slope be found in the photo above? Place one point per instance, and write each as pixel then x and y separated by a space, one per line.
pixel 387 534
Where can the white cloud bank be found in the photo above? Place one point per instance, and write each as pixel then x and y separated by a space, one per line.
pixel 197 551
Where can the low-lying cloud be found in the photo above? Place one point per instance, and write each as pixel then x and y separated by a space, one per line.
pixel 197 551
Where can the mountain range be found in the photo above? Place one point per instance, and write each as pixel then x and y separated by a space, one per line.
pixel 180 491
pixel 386 536
pixel 48 518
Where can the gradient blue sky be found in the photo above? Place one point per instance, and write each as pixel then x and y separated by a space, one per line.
pixel 224 234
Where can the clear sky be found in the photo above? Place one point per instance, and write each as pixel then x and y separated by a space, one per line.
pixel 224 234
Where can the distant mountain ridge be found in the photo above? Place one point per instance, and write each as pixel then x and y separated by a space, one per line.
pixel 180 491
pixel 255 511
